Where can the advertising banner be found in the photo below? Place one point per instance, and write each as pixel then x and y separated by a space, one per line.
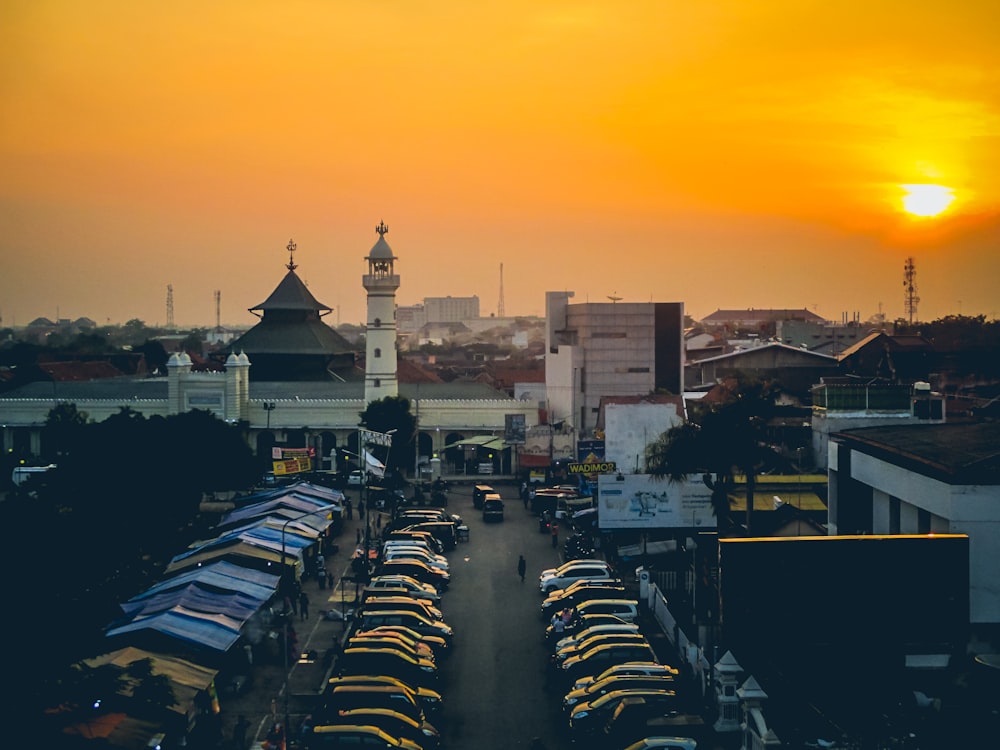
pixel 637 501
pixel 292 466
pixel 514 429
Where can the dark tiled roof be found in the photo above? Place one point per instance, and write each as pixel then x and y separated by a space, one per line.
pixel 291 294
pixel 291 337
pixel 954 453
pixel 64 371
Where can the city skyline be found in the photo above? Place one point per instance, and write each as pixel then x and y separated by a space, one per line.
pixel 720 154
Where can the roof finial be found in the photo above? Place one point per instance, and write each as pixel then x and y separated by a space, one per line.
pixel 291 255
pixel 381 228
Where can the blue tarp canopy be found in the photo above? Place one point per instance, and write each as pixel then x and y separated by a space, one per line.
pixel 211 632
pixel 292 505
pixel 220 576
pixel 239 607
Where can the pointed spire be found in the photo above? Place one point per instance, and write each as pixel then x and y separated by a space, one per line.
pixel 291 255
pixel 382 229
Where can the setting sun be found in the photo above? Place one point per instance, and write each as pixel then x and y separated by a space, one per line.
pixel 926 200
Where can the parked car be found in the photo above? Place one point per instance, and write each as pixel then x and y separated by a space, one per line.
pixel 664 743
pixel 634 718
pixel 433 543
pixel 580 591
pixel 579 637
pixel 429 700
pixel 373 639
pixel 364 660
pixel 356 478
pixel 589 717
pixel 402 604
pixel 438 644
pixel 582 623
pixel 395 724
pixel 415 622
pixel 415 569
pixel 350 736
pixel 367 691
pixel 400 584
pixel 617 682
pixel 492 508
pixel 562 655
pixel 632 668
pixel 443 531
pixel 626 609
pixel 415 553
pixel 599 658
pixel 553 579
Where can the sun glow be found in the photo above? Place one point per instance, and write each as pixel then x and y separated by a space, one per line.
pixel 926 200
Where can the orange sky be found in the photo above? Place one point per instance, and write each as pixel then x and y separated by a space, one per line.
pixel 726 154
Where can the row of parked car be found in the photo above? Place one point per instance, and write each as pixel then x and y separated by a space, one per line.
pixel 386 690
pixel 617 694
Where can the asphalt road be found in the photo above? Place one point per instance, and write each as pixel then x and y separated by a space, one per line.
pixel 494 683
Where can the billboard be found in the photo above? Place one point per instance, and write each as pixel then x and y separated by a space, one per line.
pixel 514 429
pixel 638 501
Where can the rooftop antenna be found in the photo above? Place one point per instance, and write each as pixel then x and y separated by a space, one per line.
pixel 614 297
pixel 500 310
pixel 170 305
pixel 910 299
pixel 218 316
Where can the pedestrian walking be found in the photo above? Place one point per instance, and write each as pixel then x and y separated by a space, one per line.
pixel 304 605
pixel 321 577
pixel 240 732
pixel 554 529
pixel 350 508
pixel 521 567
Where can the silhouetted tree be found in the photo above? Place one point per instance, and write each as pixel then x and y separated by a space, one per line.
pixel 727 439
pixel 393 413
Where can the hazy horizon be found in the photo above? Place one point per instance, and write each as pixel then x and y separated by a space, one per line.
pixel 722 154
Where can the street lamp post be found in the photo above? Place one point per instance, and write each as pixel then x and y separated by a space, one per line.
pixel 364 438
pixel 283 586
pixel 269 407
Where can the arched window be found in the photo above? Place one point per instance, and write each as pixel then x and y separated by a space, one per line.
pixel 378 383
pixel 378 322
pixel 378 352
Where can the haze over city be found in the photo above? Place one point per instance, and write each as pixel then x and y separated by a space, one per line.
pixel 723 154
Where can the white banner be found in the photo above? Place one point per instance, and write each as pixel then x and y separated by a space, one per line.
pixel 637 501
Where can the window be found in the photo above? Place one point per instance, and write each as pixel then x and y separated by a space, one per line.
pixel 377 322
pixel 378 383
pixel 378 352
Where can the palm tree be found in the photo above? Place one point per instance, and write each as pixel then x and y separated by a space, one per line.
pixel 728 439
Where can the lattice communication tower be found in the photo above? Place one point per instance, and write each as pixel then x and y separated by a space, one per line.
pixel 910 299
pixel 170 305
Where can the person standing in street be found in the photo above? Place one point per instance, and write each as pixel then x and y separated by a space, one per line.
pixel 521 567
pixel 554 529
pixel 304 605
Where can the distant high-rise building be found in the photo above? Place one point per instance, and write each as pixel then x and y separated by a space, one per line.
pixel 450 309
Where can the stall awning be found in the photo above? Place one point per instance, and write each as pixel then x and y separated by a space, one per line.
pixel 489 442
pixel 764 500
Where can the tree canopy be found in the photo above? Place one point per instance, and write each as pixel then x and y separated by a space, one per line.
pixel 727 439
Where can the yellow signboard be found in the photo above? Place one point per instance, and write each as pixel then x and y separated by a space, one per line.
pixel 292 466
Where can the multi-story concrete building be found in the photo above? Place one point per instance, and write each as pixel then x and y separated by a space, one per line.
pixel 595 350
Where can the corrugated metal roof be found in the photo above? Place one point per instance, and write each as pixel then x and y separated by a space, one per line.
pixel 222 576
pixel 212 633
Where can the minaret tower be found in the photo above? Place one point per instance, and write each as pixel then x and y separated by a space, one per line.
pixel 380 330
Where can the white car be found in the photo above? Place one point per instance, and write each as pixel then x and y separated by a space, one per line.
pixel 356 478
pixel 409 554
pixel 412 585
pixel 559 578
